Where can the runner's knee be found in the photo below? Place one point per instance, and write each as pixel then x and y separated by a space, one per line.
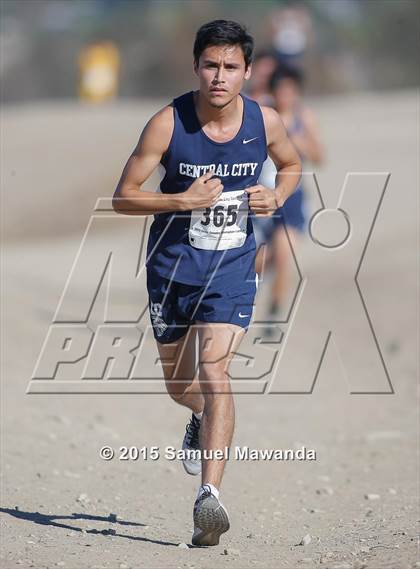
pixel 213 378
pixel 178 389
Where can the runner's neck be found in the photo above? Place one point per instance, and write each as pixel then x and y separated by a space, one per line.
pixel 219 121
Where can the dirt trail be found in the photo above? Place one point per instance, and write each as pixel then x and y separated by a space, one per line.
pixel 62 506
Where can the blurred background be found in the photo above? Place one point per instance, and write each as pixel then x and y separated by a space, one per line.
pixel 79 80
pixel 64 65
pixel 348 45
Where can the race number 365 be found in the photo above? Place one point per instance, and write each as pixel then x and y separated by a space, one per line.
pixel 223 226
pixel 221 215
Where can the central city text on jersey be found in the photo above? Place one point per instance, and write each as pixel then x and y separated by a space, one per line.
pixel 223 170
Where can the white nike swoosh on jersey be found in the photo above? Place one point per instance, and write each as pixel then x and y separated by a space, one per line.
pixel 244 141
pixel 243 315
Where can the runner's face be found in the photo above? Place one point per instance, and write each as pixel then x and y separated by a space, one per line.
pixel 286 95
pixel 221 72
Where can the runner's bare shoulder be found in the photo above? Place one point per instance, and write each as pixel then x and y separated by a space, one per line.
pixel 274 128
pixel 157 133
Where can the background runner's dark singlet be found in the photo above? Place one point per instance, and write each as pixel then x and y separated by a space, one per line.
pixel 194 247
pixel 293 211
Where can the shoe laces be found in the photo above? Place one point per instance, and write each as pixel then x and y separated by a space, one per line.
pixel 192 431
pixel 206 493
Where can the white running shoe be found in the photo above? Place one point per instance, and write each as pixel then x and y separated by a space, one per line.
pixel 210 519
pixel 191 442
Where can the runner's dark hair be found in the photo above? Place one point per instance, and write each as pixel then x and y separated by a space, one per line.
pixel 223 32
pixel 284 71
pixel 264 53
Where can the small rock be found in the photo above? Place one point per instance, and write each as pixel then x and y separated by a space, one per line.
pixel 392 491
pixel 250 536
pixel 83 499
pixel 372 496
pixel 306 540
pixel 123 566
pixel 183 546
pixel 60 563
pixel 327 490
pixel 231 551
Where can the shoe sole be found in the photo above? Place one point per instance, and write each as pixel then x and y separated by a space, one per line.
pixel 196 468
pixel 191 471
pixel 212 519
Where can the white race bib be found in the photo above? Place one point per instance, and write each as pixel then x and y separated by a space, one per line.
pixel 222 226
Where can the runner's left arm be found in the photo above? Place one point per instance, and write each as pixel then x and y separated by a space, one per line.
pixel 308 142
pixel 281 150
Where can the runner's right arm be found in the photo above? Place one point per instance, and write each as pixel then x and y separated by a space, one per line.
pixel 129 197
pixel 308 142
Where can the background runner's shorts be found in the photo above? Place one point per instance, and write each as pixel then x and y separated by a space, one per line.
pixel 174 306
pixel 292 214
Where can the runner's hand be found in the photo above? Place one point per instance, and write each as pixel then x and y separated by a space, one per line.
pixel 203 192
pixel 262 201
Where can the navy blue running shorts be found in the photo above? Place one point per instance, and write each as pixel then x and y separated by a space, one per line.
pixel 175 306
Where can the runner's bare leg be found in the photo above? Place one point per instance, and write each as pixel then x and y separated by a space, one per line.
pixel 262 259
pixel 283 262
pixel 179 365
pixel 217 345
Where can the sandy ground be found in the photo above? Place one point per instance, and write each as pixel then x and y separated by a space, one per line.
pixel 62 506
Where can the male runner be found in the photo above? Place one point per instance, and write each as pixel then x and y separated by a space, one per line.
pixel 289 222
pixel 201 250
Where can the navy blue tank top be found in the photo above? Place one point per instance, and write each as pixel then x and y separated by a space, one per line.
pixel 212 243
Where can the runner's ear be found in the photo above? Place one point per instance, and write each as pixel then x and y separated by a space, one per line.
pixel 248 72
